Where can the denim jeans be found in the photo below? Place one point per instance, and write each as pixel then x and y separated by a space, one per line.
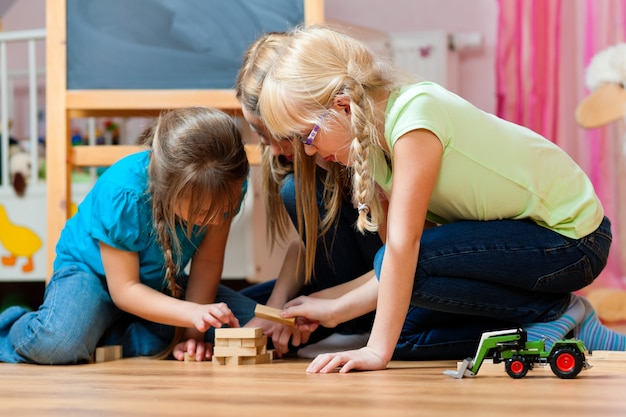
pixel 475 276
pixel 77 315
pixel 342 255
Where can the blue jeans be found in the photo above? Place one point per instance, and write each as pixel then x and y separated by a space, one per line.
pixel 342 255
pixel 77 315
pixel 479 276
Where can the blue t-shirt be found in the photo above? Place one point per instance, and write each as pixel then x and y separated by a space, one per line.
pixel 118 212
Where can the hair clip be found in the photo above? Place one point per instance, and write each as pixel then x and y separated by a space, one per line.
pixel 363 208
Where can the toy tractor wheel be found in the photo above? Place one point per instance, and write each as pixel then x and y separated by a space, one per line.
pixel 566 362
pixel 517 367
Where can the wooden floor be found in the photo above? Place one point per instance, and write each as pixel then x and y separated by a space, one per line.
pixel 143 387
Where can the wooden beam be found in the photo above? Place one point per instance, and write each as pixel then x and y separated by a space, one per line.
pixel 105 155
pixel 121 100
pixel 57 123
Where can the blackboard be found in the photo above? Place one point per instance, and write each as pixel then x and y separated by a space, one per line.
pixel 167 44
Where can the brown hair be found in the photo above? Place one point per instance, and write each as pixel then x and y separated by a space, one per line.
pixel 195 152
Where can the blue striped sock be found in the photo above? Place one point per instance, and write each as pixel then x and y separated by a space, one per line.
pixel 595 335
pixel 557 329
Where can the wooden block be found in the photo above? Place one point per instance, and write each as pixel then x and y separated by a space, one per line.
pixel 238 351
pixel 222 342
pixel 273 314
pixel 238 332
pixel 232 360
pixel 255 360
pixel 259 341
pixel 266 357
pixel 108 353
pixel 236 342
pixel 190 358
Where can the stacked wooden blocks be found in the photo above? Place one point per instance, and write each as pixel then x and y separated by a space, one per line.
pixel 240 346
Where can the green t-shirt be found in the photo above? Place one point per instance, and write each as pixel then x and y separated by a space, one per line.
pixel 491 169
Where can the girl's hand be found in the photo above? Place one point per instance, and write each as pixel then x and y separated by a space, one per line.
pixel 215 315
pixel 364 359
pixel 200 350
pixel 311 312
pixel 280 334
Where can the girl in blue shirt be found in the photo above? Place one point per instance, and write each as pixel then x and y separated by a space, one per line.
pixel 119 272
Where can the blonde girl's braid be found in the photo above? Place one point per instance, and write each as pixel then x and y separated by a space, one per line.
pixel 363 185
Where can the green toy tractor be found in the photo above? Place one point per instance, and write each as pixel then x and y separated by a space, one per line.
pixel 566 358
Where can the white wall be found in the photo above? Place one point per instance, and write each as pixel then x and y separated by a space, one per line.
pixel 477 68
pixel 23 15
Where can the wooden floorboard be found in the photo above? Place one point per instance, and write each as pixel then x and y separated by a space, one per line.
pixel 144 387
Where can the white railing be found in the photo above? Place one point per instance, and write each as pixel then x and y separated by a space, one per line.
pixel 6 93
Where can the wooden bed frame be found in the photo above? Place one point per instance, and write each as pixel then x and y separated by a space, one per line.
pixel 62 105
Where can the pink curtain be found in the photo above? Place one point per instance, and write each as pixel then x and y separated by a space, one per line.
pixel 527 70
pixel 544 47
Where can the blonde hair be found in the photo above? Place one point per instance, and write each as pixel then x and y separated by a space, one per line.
pixel 317 65
pixel 258 60
pixel 196 154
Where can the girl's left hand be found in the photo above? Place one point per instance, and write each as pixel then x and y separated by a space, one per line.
pixel 364 359
pixel 200 350
pixel 281 335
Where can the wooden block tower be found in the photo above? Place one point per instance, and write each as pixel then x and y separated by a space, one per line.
pixel 240 346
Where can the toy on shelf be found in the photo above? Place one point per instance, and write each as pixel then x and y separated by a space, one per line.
pixel 19 171
pixel 605 78
pixel 566 358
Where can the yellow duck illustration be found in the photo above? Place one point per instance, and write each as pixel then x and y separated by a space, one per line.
pixel 20 241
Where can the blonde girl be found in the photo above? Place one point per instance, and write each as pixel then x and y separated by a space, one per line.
pixel 518 224
pixel 119 271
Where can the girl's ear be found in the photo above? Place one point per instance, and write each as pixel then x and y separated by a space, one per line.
pixel 341 103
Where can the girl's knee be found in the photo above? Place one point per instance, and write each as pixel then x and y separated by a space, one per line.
pixel 54 352
pixel 41 344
